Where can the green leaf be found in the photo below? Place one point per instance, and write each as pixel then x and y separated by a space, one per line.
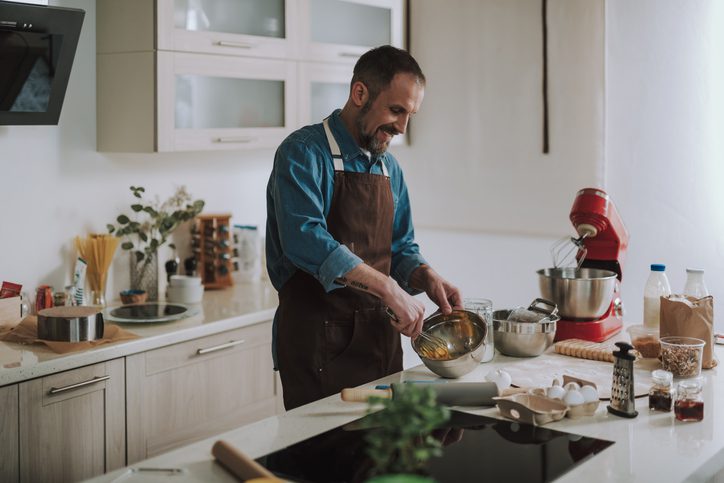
pixel 123 219
pixel 136 207
pixel 143 236
pixel 127 245
pixel 172 245
pixel 139 256
pixel 154 243
pixel 150 211
pixel 111 228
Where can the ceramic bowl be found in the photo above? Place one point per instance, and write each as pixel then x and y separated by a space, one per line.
pixel 133 296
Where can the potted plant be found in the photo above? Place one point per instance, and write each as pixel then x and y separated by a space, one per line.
pixel 148 228
pixel 401 438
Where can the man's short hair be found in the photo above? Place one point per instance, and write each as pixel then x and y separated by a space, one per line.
pixel 377 67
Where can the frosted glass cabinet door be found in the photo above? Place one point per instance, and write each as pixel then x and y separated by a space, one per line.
pixel 221 102
pixel 324 87
pixel 342 30
pixel 263 28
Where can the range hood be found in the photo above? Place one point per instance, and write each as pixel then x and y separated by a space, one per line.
pixel 37 47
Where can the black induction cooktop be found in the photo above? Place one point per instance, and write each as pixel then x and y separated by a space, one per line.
pixel 475 449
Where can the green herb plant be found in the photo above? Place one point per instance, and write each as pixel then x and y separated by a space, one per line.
pixel 153 222
pixel 401 440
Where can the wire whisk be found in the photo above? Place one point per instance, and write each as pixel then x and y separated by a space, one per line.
pixel 567 250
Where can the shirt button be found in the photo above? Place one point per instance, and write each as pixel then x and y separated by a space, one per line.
pixel 326 322
pixel 320 369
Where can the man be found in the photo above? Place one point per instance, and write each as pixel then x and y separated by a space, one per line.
pixel 340 242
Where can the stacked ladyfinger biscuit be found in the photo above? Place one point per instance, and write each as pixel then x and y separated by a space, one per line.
pixel 584 349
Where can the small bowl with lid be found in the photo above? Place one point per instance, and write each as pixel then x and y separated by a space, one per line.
pixel 527 335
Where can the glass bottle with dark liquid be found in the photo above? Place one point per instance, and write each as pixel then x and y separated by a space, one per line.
pixel 689 404
pixel 661 394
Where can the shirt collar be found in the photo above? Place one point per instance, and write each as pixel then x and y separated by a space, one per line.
pixel 347 144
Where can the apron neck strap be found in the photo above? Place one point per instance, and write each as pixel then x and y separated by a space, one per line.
pixel 337 154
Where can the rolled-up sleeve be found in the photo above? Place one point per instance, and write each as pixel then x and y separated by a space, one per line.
pixel 406 255
pixel 298 176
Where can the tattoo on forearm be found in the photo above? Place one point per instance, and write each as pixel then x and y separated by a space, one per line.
pixel 353 284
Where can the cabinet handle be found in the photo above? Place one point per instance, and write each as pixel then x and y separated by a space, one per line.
pixel 228 345
pixel 238 45
pixel 236 140
pixel 56 390
pixel 349 54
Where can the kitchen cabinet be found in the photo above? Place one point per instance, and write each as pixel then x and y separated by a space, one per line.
pixel 341 31
pixel 9 469
pixel 199 75
pixel 256 28
pixel 192 390
pixel 72 424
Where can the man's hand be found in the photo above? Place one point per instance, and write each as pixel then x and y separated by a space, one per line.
pixel 444 294
pixel 409 312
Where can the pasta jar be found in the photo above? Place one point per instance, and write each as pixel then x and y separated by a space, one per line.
pixel 661 394
pixel 689 404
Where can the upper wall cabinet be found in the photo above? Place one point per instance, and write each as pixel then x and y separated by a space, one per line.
pixel 196 75
pixel 334 30
pixel 257 28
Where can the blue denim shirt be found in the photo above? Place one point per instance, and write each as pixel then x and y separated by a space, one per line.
pixel 299 195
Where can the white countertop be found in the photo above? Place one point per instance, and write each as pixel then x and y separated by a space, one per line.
pixel 221 310
pixel 651 447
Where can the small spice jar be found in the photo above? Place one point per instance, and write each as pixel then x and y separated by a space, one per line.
pixel 689 405
pixel 661 394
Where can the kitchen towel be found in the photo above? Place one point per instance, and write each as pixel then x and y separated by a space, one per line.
pixel 27 333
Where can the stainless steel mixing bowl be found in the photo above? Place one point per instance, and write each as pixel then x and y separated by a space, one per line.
pixel 523 339
pixel 464 332
pixel 582 294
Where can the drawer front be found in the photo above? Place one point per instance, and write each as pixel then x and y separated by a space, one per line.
pixel 199 350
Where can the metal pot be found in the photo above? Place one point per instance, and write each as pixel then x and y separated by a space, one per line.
pixel 70 324
pixel 523 339
pixel 580 294
pixel 464 332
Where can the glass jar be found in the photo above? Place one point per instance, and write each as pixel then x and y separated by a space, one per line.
pixel 661 394
pixel 695 286
pixel 689 405
pixel 484 308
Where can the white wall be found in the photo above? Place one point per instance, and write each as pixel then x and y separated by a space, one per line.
pixel 664 131
pixel 54 185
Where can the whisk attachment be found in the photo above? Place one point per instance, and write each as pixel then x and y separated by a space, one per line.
pixel 429 346
pixel 567 250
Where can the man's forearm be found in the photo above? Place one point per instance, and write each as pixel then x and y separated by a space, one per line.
pixel 367 279
pixel 418 277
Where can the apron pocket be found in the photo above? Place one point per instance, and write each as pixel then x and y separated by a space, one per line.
pixel 338 335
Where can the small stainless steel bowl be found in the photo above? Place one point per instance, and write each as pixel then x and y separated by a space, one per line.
pixel 582 294
pixel 522 339
pixel 464 332
pixel 70 324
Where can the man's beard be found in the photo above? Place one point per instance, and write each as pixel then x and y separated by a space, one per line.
pixel 368 141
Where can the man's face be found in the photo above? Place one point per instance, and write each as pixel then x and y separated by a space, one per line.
pixel 388 115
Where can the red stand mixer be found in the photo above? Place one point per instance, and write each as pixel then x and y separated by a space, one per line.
pixel 588 294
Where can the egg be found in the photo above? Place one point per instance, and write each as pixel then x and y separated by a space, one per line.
pixel 589 393
pixel 556 392
pixel 573 398
pixel 572 386
pixel 500 377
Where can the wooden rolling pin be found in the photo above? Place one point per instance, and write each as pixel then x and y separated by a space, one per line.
pixel 240 465
pixel 450 393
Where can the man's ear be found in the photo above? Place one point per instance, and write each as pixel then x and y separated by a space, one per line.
pixel 359 94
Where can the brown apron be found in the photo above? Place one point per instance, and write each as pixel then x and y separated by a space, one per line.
pixel 329 341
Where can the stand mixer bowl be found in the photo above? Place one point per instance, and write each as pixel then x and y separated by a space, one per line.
pixel 580 294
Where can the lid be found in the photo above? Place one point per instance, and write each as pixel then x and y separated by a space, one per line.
pixel 694 270
pixel 689 387
pixel 662 377
pixel 623 352
pixel 658 267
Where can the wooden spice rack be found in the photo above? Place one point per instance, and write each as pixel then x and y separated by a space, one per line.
pixel 211 242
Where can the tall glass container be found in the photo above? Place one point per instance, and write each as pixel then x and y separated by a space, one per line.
pixel 484 308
